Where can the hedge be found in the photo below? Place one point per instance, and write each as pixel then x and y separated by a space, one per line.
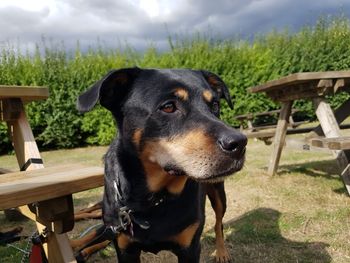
pixel 242 64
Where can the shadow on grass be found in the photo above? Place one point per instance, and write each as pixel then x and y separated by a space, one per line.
pixel 256 237
pixel 327 169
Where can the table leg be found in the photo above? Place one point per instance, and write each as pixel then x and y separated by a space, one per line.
pixel 280 136
pixel 21 134
pixel 331 129
pixel 341 113
pixel 57 248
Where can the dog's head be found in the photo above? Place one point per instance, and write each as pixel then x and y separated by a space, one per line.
pixel 169 118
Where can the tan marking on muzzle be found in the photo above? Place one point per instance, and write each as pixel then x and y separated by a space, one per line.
pixel 158 179
pixel 182 151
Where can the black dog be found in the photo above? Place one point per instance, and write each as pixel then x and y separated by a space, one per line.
pixel 171 150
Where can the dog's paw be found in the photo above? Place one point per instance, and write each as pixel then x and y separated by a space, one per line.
pixel 222 255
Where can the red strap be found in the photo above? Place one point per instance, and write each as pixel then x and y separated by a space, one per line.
pixel 35 256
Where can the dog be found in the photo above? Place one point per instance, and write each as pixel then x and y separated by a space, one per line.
pixel 171 151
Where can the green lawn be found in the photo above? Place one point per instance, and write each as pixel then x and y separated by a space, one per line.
pixel 300 215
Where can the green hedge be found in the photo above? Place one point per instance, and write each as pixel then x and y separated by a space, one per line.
pixel 242 64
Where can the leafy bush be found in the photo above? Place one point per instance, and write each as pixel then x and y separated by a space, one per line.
pixel 241 64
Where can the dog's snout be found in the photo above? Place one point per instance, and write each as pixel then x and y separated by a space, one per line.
pixel 233 143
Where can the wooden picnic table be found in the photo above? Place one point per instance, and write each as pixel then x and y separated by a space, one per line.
pixel 42 194
pixel 312 86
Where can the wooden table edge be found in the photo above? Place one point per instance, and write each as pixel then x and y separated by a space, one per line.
pixel 299 77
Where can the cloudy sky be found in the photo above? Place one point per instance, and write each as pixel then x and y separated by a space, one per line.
pixel 141 22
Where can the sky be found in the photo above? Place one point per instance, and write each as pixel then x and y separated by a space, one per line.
pixel 140 23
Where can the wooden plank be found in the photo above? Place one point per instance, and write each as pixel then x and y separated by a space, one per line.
pixel 298 78
pixel 17 175
pixel 273 126
pixel 260 134
pixel 63 252
pixel 318 142
pixel 303 145
pixel 271 132
pixel 22 188
pixel 341 113
pixel 57 248
pixel 337 143
pixel 303 90
pixel 258 114
pixel 22 136
pixel 12 110
pixel 326 118
pixel 56 214
pixel 25 93
pixel 331 129
pixel 280 136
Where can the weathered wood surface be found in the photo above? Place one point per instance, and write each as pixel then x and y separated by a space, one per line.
pixel 251 116
pixel 313 86
pixel 22 188
pixel 331 129
pixel 304 77
pixel 280 137
pixel 337 143
pixel 271 132
pixel 341 113
pixel 25 93
pixel 57 247
pixel 21 134
pixel 258 114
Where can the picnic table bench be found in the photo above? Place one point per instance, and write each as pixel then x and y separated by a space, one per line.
pixel 265 132
pixel 250 117
pixel 312 86
pixel 336 143
pixel 42 194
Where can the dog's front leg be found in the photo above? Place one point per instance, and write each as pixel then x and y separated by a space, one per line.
pixel 189 255
pixel 126 253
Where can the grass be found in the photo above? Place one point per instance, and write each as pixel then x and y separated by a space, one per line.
pixel 300 215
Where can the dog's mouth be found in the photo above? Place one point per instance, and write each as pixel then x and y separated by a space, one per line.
pixel 174 171
pixel 210 177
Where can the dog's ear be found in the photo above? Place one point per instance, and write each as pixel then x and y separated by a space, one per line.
pixel 110 90
pixel 218 85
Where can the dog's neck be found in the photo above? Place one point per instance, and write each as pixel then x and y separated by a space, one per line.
pixel 126 186
pixel 126 180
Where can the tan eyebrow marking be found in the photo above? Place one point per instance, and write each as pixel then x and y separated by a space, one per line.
pixel 207 95
pixel 181 93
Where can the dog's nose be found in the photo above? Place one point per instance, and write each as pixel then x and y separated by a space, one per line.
pixel 233 143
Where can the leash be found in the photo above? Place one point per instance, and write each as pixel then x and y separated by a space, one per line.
pixel 34 253
pixel 125 221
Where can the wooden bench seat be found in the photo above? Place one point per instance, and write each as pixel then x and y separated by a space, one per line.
pixel 337 143
pixel 269 133
pixel 250 117
pixel 258 114
pixel 21 188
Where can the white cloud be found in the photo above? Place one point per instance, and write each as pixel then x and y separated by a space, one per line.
pixel 140 22
pixel 33 5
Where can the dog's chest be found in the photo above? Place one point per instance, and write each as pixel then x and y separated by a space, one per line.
pixel 173 220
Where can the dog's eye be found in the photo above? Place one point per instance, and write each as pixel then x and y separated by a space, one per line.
pixel 215 107
pixel 168 107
